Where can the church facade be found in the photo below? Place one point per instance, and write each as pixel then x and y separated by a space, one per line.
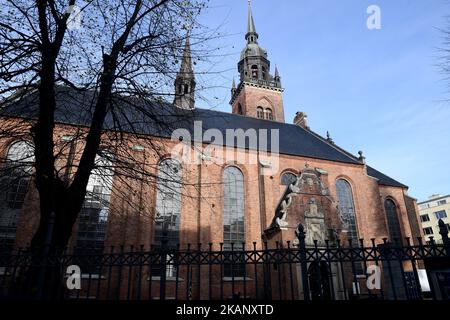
pixel 331 192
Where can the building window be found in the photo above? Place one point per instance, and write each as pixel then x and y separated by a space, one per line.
pixel 233 218
pixel 93 218
pixel 260 112
pixel 442 202
pixel 269 114
pixel 168 211
pixel 254 71
pixel 263 72
pixel 346 208
pixel 239 109
pixel 440 214
pixel 424 218
pixel 14 181
pixel 168 202
pixel 288 178
pixel 392 219
pixel 428 231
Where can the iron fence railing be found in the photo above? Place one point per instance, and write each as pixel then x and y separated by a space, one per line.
pixel 279 271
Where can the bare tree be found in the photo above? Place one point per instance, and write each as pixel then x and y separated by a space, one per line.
pixel 110 75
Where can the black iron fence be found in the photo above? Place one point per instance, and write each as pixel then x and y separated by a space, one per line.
pixel 281 271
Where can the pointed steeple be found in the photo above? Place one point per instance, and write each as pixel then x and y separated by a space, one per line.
pixel 252 35
pixel 185 80
pixel 186 64
pixel 277 77
pixel 233 88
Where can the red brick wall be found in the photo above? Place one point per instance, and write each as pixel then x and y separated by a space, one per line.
pixel 252 97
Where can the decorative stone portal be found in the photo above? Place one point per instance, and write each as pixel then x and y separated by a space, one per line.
pixel 308 202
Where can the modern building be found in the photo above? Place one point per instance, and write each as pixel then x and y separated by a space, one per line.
pixel 431 211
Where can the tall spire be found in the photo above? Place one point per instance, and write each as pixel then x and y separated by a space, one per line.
pixel 251 35
pixel 185 80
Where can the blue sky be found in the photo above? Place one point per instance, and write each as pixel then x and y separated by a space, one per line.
pixel 379 91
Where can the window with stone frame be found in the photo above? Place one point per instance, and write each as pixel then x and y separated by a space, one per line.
pixel 93 218
pixel 346 207
pixel 428 231
pixel 233 221
pixel 440 214
pixel 392 220
pixel 424 218
pixel 288 178
pixel 260 112
pixel 168 212
pixel 15 174
pixel 269 114
pixel 254 69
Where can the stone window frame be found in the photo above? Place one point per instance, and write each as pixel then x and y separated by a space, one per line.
pixel 393 226
pixel 14 185
pixel 237 237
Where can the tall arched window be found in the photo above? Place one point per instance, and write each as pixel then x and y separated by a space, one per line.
pixel 269 114
pixel 14 181
pixel 94 214
pixel 93 218
pixel 233 216
pixel 347 208
pixel 392 219
pixel 260 112
pixel 288 178
pixel 168 202
pixel 168 211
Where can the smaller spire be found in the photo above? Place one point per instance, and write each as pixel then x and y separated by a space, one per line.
pixel 233 88
pixel 186 64
pixel 277 74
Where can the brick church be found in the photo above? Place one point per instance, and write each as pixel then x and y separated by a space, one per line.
pixel 332 192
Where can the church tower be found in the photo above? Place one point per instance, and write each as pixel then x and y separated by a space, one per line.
pixel 185 81
pixel 259 94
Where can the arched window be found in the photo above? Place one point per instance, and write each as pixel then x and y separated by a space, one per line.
pixel 14 181
pixel 93 218
pixel 168 202
pixel 392 219
pixel 186 89
pixel 269 114
pixel 288 178
pixel 254 71
pixel 263 72
pixel 260 112
pixel 233 216
pixel 346 208
pixel 239 110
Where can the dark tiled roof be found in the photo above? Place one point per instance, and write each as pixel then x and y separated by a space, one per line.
pixel 384 179
pixel 161 119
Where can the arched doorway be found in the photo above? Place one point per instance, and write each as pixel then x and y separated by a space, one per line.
pixel 319 281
